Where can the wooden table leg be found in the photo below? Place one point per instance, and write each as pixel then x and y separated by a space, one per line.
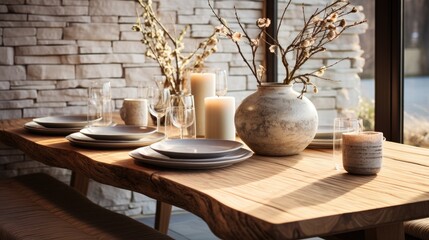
pixel 162 216
pixel 79 182
pixel 394 231
pixel 163 210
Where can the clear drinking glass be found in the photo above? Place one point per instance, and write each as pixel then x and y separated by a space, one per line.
pixel 343 125
pixel 158 103
pixel 142 89
pixel 99 104
pixel 182 111
pixel 221 83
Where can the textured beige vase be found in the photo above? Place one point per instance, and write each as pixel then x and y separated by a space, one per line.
pixel 273 121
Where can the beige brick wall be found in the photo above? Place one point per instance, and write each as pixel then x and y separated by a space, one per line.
pixel 51 49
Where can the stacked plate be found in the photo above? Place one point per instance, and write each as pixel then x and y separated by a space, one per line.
pixel 57 125
pixel 192 153
pixel 114 137
pixel 323 138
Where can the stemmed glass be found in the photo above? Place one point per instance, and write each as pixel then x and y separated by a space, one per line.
pixel 159 81
pixel 182 111
pixel 158 103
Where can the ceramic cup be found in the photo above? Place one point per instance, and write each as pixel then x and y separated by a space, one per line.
pixel 362 152
pixel 134 112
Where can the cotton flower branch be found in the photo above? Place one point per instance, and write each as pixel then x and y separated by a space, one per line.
pixel 253 43
pixel 322 27
pixel 166 49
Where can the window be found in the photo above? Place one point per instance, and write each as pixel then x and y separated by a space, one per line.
pixel 342 96
pixel 395 77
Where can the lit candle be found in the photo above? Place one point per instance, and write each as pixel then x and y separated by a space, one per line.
pixel 202 85
pixel 219 118
pixel 362 152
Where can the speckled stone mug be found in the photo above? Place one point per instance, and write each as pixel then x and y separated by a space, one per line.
pixel 362 152
pixel 134 112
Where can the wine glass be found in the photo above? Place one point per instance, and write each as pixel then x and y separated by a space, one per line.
pixel 221 83
pixel 159 80
pixel 158 103
pixel 182 111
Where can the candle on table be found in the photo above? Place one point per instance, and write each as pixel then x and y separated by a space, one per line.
pixel 362 152
pixel 202 85
pixel 219 118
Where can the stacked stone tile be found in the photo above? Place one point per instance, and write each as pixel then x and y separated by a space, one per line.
pixel 51 49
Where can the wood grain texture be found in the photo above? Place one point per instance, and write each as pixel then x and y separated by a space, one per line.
pixel 37 206
pixel 113 167
pixel 79 182
pixel 162 216
pixel 263 197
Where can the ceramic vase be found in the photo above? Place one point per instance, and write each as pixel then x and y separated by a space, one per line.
pixel 274 121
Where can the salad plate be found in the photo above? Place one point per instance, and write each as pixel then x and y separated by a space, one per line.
pixel 177 164
pixel 321 143
pixel 196 148
pixel 82 140
pixel 34 127
pixel 148 152
pixel 72 121
pixel 122 132
pixel 324 132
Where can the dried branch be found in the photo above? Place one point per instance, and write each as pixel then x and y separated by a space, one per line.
pixel 166 49
pixel 322 27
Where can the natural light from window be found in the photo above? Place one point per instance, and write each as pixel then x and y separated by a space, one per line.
pixel 416 71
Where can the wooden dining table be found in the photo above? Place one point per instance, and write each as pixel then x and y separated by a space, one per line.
pixel 262 197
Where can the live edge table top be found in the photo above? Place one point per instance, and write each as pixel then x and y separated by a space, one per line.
pixel 263 197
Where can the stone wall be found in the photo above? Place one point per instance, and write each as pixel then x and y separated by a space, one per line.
pixel 51 49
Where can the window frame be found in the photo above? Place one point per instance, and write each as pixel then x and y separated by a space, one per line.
pixel 271 12
pixel 389 65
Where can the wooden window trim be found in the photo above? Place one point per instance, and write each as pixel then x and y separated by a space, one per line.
pixel 271 64
pixel 389 96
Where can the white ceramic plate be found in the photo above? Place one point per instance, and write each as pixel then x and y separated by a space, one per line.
pixel 39 129
pixel 196 148
pixel 188 164
pixel 118 132
pixel 77 121
pixel 84 141
pixel 149 153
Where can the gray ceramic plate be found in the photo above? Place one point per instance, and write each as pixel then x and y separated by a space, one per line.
pixel 321 143
pixel 177 164
pixel 39 129
pixel 324 132
pixel 196 148
pixel 149 153
pixel 82 140
pixel 76 121
pixel 118 132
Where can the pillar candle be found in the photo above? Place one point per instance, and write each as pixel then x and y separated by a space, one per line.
pixel 219 118
pixel 362 152
pixel 202 85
